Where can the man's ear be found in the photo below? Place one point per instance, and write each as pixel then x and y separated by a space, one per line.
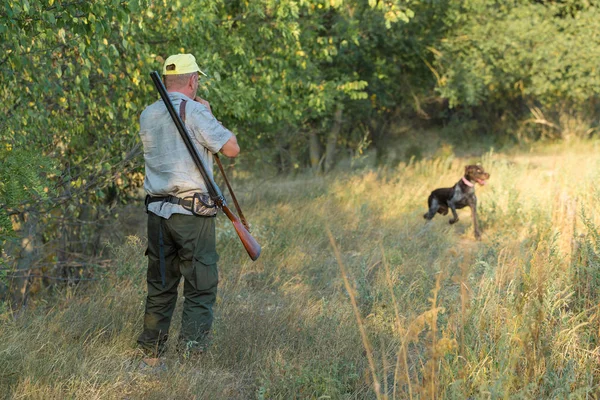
pixel 193 80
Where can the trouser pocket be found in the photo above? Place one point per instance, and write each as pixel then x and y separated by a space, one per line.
pixel 205 271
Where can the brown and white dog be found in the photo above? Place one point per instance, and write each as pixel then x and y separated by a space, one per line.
pixel 458 196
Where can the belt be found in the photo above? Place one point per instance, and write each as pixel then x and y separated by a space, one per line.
pixel 185 203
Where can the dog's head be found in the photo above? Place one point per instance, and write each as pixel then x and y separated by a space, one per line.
pixel 476 173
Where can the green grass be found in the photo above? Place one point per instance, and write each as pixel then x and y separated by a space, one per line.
pixel 513 316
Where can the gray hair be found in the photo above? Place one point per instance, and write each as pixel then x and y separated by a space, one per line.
pixel 177 81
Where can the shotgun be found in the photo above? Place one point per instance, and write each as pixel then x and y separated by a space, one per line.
pixel 250 244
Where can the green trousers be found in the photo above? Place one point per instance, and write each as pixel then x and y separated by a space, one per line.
pixel 188 250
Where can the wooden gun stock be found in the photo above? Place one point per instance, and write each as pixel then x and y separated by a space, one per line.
pixel 250 244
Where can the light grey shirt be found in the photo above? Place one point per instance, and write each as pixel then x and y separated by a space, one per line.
pixel 170 170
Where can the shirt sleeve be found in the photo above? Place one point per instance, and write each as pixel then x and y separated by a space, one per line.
pixel 207 130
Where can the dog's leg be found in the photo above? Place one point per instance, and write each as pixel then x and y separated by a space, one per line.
pixel 473 205
pixel 454 214
pixel 434 205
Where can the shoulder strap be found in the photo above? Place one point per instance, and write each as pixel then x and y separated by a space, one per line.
pixel 235 202
pixel 182 110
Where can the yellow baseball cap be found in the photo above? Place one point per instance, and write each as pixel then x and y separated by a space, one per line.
pixel 179 64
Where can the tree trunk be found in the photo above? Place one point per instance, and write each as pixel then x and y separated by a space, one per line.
pixel 282 165
pixel 26 254
pixel 378 129
pixel 332 139
pixel 314 150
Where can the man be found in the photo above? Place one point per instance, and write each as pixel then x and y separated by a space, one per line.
pixel 181 239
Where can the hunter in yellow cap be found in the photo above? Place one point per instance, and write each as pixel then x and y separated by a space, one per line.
pixel 181 232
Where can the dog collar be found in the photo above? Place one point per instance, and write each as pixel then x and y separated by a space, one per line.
pixel 466 182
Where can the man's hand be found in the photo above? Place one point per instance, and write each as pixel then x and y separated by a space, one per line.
pixel 203 102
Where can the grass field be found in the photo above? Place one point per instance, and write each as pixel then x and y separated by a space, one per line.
pixel 404 310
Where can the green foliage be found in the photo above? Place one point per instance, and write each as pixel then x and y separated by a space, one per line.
pixel 83 67
pixel 499 52
pixel 24 182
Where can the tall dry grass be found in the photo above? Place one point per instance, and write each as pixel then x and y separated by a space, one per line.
pixel 442 316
